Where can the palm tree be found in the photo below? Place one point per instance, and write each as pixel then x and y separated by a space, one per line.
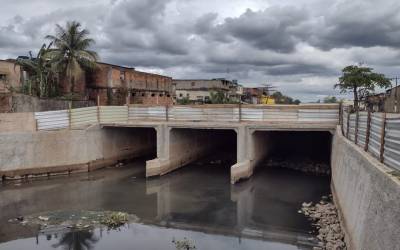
pixel 41 72
pixel 71 51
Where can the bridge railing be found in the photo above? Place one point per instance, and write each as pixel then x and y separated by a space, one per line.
pixel 75 118
pixel 377 133
pixel 236 113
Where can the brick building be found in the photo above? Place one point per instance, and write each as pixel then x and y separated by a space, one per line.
pixel 114 85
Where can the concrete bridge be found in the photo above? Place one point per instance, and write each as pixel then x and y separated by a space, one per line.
pixel 186 133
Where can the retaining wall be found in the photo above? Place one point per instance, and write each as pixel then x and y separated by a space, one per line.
pixel 367 195
pixel 44 152
pixel 17 122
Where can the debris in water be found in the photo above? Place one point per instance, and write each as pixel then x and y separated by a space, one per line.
pixel 325 218
pixel 184 244
pixel 43 218
pixel 115 219
pixel 76 219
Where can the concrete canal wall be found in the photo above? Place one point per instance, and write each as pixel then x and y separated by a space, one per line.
pixel 25 153
pixel 367 195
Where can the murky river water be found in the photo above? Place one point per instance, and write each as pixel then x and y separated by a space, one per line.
pixel 196 202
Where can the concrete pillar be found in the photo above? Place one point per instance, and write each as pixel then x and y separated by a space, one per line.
pixel 252 147
pixel 177 147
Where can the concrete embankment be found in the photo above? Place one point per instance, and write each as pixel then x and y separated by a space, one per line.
pixel 367 195
pixel 44 152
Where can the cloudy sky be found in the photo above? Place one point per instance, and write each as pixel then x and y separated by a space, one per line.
pixel 299 46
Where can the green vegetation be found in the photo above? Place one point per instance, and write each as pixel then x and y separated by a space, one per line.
pixel 218 97
pixel 115 219
pixel 330 99
pixel 67 54
pixel 71 51
pixel 283 99
pixel 43 76
pixel 183 101
pixel 361 81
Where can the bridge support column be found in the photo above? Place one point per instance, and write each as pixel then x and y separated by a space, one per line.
pixel 177 147
pixel 252 147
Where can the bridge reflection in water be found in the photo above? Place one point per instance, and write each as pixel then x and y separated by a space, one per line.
pixel 196 199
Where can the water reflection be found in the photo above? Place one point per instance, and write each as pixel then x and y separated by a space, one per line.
pixel 80 240
pixel 197 198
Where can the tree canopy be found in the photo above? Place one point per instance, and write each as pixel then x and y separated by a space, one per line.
pixel 283 99
pixel 42 75
pixel 330 99
pixel 361 81
pixel 71 50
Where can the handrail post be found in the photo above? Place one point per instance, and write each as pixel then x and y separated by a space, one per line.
pixel 70 114
pixel 240 110
pixel 382 151
pixel 368 132
pixel 356 128
pixel 98 109
pixel 348 124
pixel 166 113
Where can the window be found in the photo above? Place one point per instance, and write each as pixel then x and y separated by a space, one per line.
pixel 193 83
pixel 143 94
pixel 152 95
pixel 161 95
pixel 180 95
pixel 122 75
pixel 3 77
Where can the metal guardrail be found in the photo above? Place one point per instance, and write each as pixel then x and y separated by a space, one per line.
pixel 376 133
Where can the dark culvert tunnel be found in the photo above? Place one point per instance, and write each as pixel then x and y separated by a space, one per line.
pixel 305 151
pixel 217 147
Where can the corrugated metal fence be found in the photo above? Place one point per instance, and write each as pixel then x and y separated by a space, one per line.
pixel 75 118
pixel 51 120
pixel 376 133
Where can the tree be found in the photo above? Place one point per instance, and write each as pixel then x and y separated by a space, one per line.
pixel 330 99
pixel 71 51
pixel 283 99
pixel 42 76
pixel 218 97
pixel 361 81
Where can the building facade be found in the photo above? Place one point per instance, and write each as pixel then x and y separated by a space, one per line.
pixel 392 100
pixel 252 95
pixel 199 90
pixel 11 76
pixel 117 85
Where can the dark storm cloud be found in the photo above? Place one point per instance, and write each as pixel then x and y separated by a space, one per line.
pixel 285 44
pixel 268 29
pixel 364 23
pixel 301 69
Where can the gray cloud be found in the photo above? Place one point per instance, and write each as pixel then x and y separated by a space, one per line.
pixel 298 47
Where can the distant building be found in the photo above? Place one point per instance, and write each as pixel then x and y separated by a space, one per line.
pixel 199 90
pixel 252 95
pixel 392 100
pixel 384 102
pixel 114 85
pixel 108 83
pixel 11 76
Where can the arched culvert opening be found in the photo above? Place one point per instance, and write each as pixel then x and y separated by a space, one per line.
pixel 305 151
